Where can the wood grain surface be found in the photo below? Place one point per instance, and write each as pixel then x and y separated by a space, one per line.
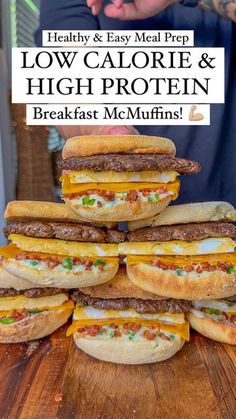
pixel 56 380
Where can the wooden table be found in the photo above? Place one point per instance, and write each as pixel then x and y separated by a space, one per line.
pixel 199 382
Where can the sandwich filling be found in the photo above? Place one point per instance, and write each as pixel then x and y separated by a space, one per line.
pixel 115 179
pixel 62 247
pixel 97 195
pixel 218 310
pixel 188 250
pixel 21 305
pixel 129 319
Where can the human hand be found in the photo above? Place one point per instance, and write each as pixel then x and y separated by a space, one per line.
pixel 69 131
pixel 138 9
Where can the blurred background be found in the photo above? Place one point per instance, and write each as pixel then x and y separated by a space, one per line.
pixel 28 155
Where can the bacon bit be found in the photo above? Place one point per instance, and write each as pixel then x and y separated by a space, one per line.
pixel 117 334
pixel 22 256
pixel 58 397
pixel 148 335
pixel 222 266
pixel 189 268
pixel 93 330
pixel 163 266
pixel 53 263
pixel 82 332
pixel 88 264
pixel 100 268
pixel 155 262
pixel 233 318
pixel 126 326
pixel 131 196
pixel 107 195
pixel 161 190
pixel 205 265
pixel 99 204
pixel 164 337
pixel 145 192
pixel 199 269
pixel 134 327
pixel 113 326
pixel 173 267
pixel 20 315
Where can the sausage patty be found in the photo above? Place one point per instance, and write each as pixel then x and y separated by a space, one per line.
pixel 130 163
pixel 140 306
pixel 186 232
pixel 65 231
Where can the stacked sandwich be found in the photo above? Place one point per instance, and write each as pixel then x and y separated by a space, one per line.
pixel 121 323
pixel 133 293
pixel 51 251
pixel 188 251
pixel 117 179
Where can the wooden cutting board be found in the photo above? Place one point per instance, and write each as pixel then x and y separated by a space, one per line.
pixel 56 380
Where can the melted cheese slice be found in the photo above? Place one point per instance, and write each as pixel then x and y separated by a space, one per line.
pixel 19 302
pixel 169 322
pixel 70 188
pixel 198 247
pixel 67 306
pixel 62 247
pixel 87 176
pixel 181 330
pixel 183 261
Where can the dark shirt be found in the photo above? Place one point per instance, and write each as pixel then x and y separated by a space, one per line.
pixel 215 145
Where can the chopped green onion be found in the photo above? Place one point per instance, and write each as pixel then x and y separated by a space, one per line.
pixel 213 311
pixel 7 320
pixel 110 333
pixel 180 272
pixel 157 196
pixel 131 335
pixel 34 310
pixel 87 201
pixel 150 199
pixel 99 262
pixel 34 262
pixel 172 337
pixel 67 263
pixel 231 270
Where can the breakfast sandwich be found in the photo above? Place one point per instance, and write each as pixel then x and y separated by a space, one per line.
pixel 49 252
pixel 118 322
pixel 121 178
pixel 215 319
pixel 28 313
pixel 195 260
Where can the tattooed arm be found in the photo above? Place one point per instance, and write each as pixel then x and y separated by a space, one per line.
pixel 226 8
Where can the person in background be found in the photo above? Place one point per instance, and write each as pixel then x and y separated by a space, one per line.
pixel 213 24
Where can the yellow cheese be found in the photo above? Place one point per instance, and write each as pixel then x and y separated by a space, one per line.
pixel 19 302
pixel 68 305
pixel 181 330
pixel 109 176
pixel 183 261
pixel 70 188
pixel 11 251
pixel 62 247
pixel 198 247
